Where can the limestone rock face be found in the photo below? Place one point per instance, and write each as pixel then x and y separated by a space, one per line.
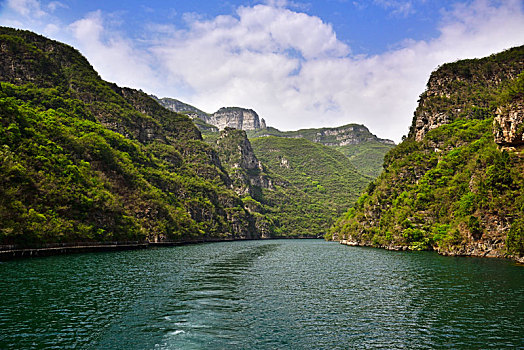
pixel 241 157
pixel 237 118
pixel 246 170
pixel 181 107
pixel 508 125
pixel 449 96
pixel 428 121
pixel 352 134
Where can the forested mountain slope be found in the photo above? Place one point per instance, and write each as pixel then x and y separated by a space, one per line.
pixel 82 159
pixel 313 183
pixel 456 183
pixel 365 150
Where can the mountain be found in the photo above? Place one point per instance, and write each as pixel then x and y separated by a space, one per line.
pixel 456 183
pixel 83 160
pixel 236 117
pixel 350 134
pixel 180 107
pixel 199 117
pixel 225 117
pixel 365 150
pixel 293 187
pixel 313 183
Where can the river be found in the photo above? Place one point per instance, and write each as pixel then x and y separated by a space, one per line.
pixel 271 294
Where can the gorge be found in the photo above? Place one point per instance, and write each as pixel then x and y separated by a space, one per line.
pixel 87 161
pixel 87 165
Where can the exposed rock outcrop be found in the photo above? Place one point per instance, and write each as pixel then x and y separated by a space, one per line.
pixel 235 117
pixel 447 186
pixel 351 134
pixel 245 169
pixel 508 125
pixel 455 88
pixel 181 107
pixel 247 174
pixel 225 117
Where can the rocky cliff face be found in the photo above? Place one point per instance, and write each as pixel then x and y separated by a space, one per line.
pixel 365 150
pixel 245 169
pixel 450 186
pixel 352 134
pixel 249 178
pixel 181 107
pixel 225 117
pixel 454 89
pixel 508 125
pixel 235 117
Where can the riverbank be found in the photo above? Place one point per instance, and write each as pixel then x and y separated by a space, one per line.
pixel 11 252
pixel 471 252
pixel 89 247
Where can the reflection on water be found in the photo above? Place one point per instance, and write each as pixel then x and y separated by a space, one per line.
pixel 299 294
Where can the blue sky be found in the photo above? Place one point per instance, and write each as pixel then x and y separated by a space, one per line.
pixel 297 63
pixel 370 27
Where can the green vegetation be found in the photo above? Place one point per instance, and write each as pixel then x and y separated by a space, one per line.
pixel 365 151
pixel 312 184
pixel 367 157
pixel 456 187
pixel 85 160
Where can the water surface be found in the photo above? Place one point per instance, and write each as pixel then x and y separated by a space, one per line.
pixel 281 294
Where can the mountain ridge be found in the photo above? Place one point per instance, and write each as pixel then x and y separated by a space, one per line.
pixel 455 184
pixel 85 160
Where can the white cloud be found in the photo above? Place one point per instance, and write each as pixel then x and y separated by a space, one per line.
pixel 291 68
pixel 398 8
pixel 287 65
pixel 26 8
pixel 53 5
pixel 115 58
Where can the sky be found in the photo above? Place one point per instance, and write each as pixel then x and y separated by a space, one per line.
pixel 297 63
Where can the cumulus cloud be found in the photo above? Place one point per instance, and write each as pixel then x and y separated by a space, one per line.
pixel 26 8
pixel 287 65
pixel 114 57
pixel 291 68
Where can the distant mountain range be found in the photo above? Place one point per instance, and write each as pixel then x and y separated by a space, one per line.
pixel 365 150
pixel 84 160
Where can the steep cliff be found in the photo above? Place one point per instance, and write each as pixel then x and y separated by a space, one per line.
pixel 250 179
pixel 456 183
pixel 293 187
pixel 82 159
pixel 235 117
pixel 199 117
pixel 245 169
pixel 466 89
pixel 508 125
pixel 350 134
pixel 225 117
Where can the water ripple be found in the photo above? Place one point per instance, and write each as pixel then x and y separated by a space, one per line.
pixel 298 294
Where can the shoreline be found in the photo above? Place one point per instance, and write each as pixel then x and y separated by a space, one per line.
pixel 516 259
pixel 92 247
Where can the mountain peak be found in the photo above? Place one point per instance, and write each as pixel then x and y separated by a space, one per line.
pixel 236 117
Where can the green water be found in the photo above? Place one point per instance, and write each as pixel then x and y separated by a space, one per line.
pixel 282 294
